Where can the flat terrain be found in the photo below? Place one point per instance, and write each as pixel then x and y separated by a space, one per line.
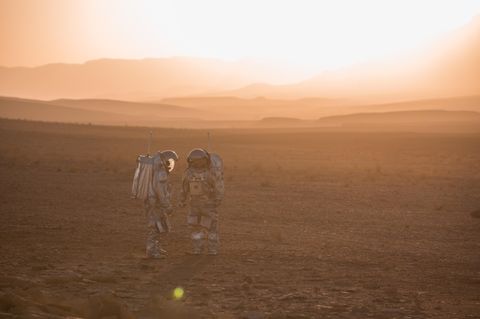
pixel 315 224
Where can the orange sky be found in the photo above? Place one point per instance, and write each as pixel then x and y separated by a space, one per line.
pixel 38 32
pixel 313 34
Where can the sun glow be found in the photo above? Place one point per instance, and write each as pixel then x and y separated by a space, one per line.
pixel 313 35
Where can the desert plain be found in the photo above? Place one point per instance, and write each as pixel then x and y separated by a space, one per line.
pixel 316 223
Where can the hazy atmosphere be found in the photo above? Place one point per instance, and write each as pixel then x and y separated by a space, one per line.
pixel 239 159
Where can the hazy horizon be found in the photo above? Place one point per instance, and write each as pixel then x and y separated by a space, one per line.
pixel 302 59
pixel 308 36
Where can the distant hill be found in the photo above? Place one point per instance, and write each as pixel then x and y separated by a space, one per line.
pixel 43 111
pixel 426 119
pixel 284 122
pixel 310 108
pixel 94 111
pixel 445 68
pixel 234 112
pixel 448 67
pixel 460 103
pixel 227 107
pixel 281 119
pixel 130 108
pixel 131 79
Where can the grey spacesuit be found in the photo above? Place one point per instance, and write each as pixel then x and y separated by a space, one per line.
pixel 158 205
pixel 203 187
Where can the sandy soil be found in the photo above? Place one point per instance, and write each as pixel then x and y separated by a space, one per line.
pixel 314 225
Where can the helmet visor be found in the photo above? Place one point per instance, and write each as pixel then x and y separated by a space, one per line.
pixel 199 163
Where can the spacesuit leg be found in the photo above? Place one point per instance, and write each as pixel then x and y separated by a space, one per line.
pixel 198 238
pixel 153 248
pixel 213 237
pixel 198 234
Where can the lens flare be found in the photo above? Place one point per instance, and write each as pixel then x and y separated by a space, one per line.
pixel 178 293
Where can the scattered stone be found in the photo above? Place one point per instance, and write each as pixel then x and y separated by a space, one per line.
pixel 252 315
pixel 293 296
pixel 323 307
pixel 248 279
pixel 104 278
pixel 39 267
pixel 245 286
pixel 360 310
pixel 475 214
pixel 106 305
pixel 64 278
pixel 239 306
pixel 278 314
pixel 14 282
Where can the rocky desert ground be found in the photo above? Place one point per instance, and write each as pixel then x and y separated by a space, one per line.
pixel 316 223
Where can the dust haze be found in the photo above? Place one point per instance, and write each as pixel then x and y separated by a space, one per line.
pixel 354 193
pixel 190 92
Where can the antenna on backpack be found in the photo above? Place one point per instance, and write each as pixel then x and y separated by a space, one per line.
pixel 149 142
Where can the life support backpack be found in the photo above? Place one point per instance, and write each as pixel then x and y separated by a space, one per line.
pixel 143 177
pixel 216 169
pixel 144 173
pixel 216 166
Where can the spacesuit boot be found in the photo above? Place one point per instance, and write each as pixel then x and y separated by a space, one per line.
pixel 198 238
pixel 213 244
pixel 154 251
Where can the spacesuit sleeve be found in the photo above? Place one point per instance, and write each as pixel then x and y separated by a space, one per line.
pixel 162 189
pixel 218 187
pixel 185 188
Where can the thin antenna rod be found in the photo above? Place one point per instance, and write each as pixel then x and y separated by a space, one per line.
pixel 149 142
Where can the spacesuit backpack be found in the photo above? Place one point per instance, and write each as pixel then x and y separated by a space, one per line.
pixel 147 165
pixel 216 169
